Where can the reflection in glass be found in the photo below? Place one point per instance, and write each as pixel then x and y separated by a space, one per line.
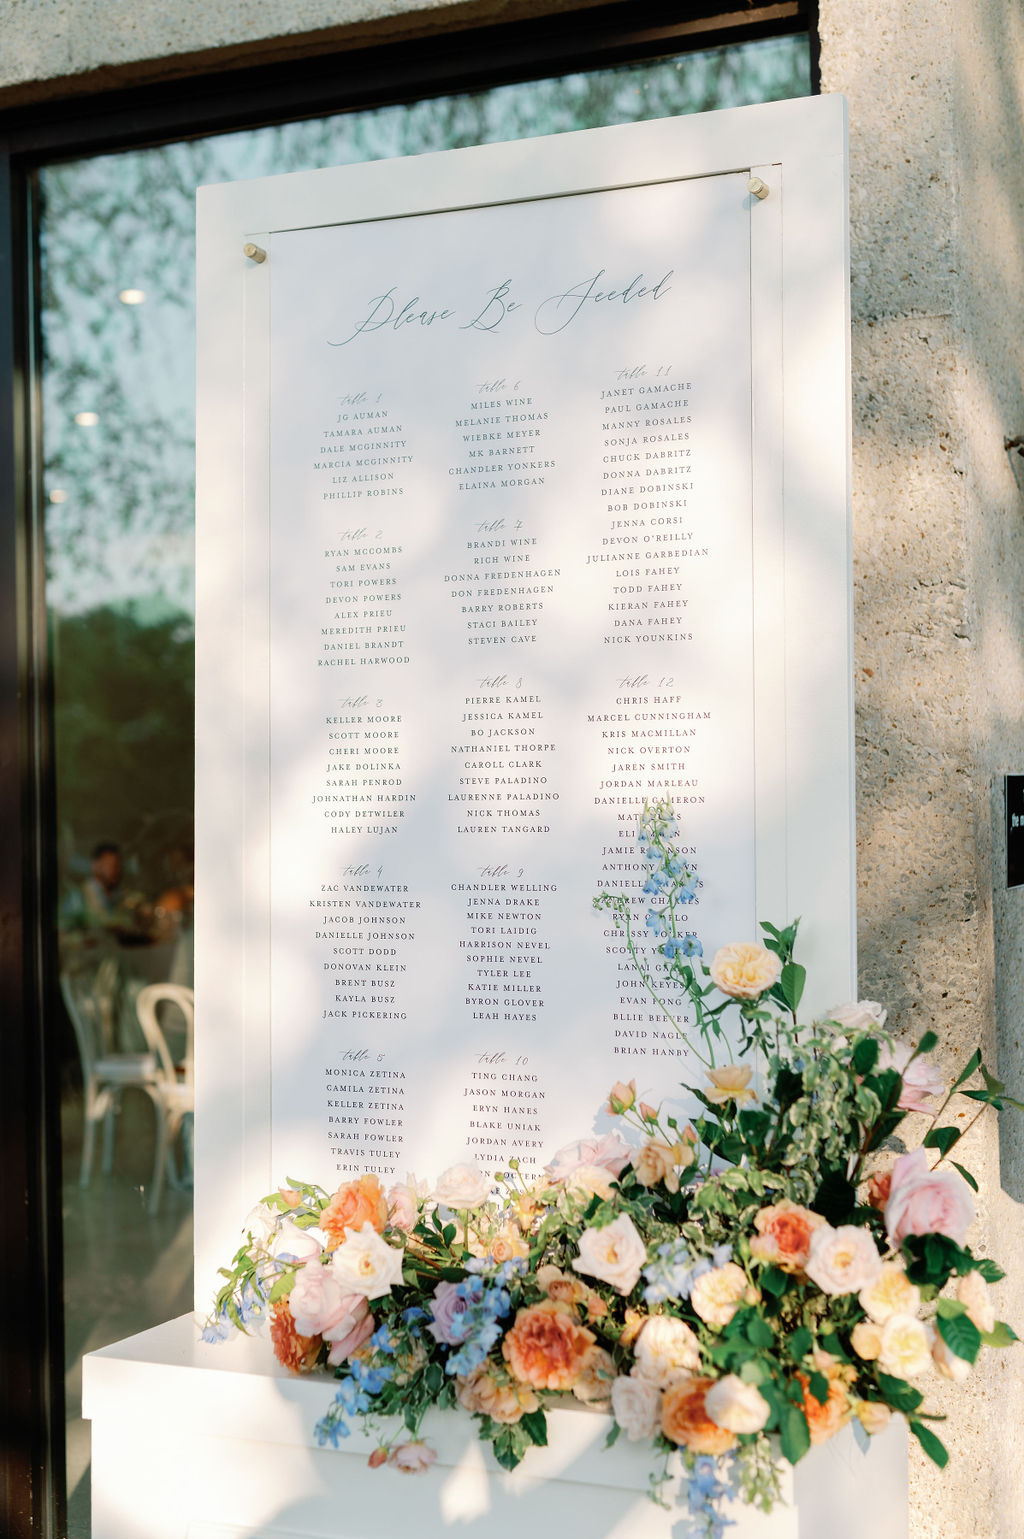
pixel 118 262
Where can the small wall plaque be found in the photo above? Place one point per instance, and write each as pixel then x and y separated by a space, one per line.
pixel 1015 830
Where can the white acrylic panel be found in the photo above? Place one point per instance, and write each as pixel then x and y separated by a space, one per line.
pixel 511 596
pixel 754 318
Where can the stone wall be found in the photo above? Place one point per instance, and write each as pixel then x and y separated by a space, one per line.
pixel 937 224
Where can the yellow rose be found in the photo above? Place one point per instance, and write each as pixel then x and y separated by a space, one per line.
pixel 905 1350
pixel 716 1295
pixel 745 970
pixel 892 1293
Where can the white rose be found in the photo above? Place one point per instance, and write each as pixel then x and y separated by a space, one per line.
pixel 463 1186
pixel 614 1254
pixel 666 1351
pixel 858 1015
pixel 260 1223
pixel 636 1406
pixel 736 1406
pixel 366 1264
pixel 843 1260
pixel 972 1291
pixel 302 1244
pixel 590 1181
pixel 905 1350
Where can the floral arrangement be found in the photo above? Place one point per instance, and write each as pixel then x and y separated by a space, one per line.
pixel 737 1287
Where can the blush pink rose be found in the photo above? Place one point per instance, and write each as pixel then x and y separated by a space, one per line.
pixel 413 1458
pixel 351 1331
pixel 609 1152
pixel 923 1201
pixel 922 1081
pixel 316 1300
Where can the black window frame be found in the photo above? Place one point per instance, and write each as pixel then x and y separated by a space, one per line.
pixel 75 122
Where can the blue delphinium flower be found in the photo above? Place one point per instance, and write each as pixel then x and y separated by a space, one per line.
pixel 656 923
pixel 686 945
pixel 704 1492
pixel 487 1302
pixel 219 1328
pixel 672 1272
pixel 350 1400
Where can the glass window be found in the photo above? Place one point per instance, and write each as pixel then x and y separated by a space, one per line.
pixel 117 243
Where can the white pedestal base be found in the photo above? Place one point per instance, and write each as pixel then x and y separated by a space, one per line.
pixel 216 1442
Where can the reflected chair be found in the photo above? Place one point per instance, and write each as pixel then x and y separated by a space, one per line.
pixel 105 1075
pixel 175 1084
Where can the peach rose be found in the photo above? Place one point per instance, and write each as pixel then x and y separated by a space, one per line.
pixel 590 1181
pixel 825 1417
pixel 546 1346
pixel 730 1083
pixel 481 1393
pixel 866 1340
pixel 945 1359
pixel 878 1189
pixel 972 1291
pixel 924 1201
pixel 354 1204
pixel 295 1352
pixel 843 1260
pixel 413 1458
pixel 594 1385
pixel 684 1419
pixel 507 1245
pixel 784 1233
pixel 621 1097
pixel 736 1406
pixel 873 1416
pixel 745 970
pixel 658 1161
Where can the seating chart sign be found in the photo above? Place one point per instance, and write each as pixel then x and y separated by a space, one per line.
pixel 511 600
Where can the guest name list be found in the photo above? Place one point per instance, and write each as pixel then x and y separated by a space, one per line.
pixel 511 600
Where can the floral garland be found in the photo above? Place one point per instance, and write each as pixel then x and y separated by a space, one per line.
pixel 770 1271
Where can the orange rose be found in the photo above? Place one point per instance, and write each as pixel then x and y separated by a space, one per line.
pixel 295 1352
pixel 784 1235
pixel 546 1347
pixel 684 1419
pixel 354 1204
pixel 825 1417
pixel 878 1190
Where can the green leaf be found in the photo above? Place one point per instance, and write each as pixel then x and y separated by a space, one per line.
pixel 536 1425
pixel 942 1139
pixel 448 1233
pixel 835 1197
pixel 282 1287
pixel 774 1281
pixel 990 1270
pixel 613 1435
pixel 973 1064
pixel 830 1341
pixel 794 1434
pixel 1001 1335
pixel 927 1042
pixel 507 1450
pixel 960 1334
pixel 433 1378
pixel 800 1343
pixel 966 1174
pixel 759 1332
pixel 899 1394
pixel 791 982
pixel 933 1447
pixel 865 1055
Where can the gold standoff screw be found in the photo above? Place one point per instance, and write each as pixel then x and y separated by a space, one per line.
pixel 255 253
pixel 757 187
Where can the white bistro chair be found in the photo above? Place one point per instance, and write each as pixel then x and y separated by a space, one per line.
pixel 105 1075
pixel 174 1084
